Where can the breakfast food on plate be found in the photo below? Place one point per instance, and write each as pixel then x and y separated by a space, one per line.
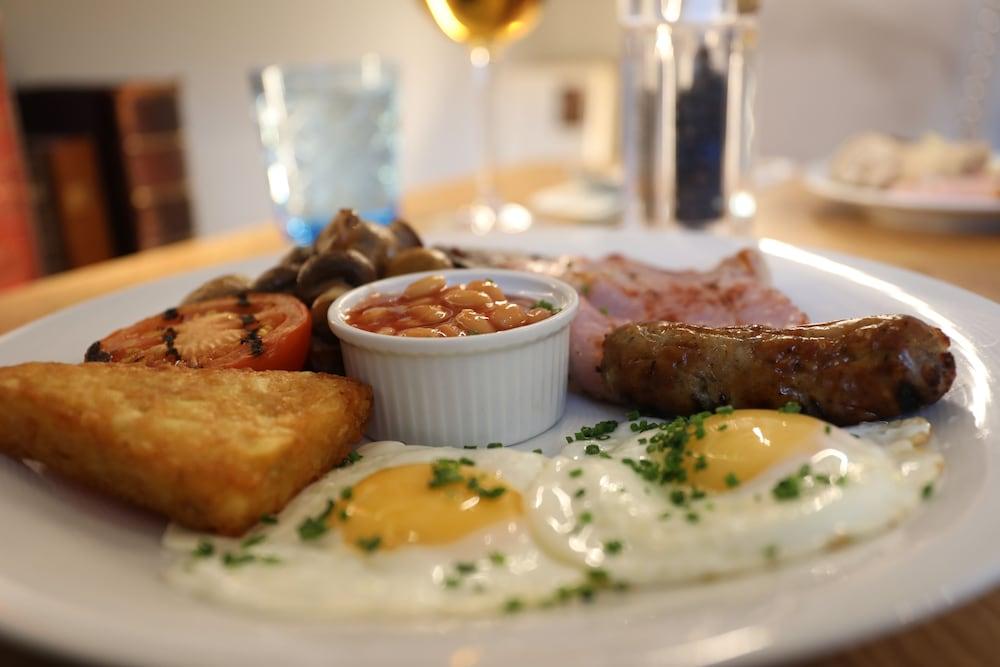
pixel 407 530
pixel 845 372
pixel 430 308
pixel 348 252
pixel 210 448
pixel 676 342
pixel 403 530
pixel 871 160
pixel 616 290
pixel 930 165
pixel 190 420
pixel 257 331
pixel 719 493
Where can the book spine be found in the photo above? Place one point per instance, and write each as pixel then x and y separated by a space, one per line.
pixel 153 155
pixel 79 199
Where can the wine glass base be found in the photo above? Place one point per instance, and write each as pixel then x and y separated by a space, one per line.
pixel 485 217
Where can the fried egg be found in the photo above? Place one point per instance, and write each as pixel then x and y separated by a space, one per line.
pixel 409 530
pixel 404 530
pixel 725 493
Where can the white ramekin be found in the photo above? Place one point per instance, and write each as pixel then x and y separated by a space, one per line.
pixel 504 387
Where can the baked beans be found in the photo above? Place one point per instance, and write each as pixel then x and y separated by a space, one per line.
pixel 430 308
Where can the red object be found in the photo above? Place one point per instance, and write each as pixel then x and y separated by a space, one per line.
pixel 261 332
pixel 17 244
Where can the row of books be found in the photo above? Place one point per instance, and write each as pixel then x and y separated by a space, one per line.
pixel 107 174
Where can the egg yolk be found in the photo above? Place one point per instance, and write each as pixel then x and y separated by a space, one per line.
pixel 399 506
pixel 747 442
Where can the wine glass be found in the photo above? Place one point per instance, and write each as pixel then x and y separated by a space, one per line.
pixel 485 26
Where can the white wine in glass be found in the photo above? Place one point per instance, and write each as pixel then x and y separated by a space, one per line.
pixel 485 26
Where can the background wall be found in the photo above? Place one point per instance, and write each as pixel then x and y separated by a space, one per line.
pixel 828 68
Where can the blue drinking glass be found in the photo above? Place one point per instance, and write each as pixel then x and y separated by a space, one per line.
pixel 329 135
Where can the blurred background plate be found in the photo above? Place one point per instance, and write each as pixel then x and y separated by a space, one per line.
pixel 907 210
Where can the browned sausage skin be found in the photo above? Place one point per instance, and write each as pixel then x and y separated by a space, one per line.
pixel 845 372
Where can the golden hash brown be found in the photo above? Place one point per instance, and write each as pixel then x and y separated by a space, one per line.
pixel 212 449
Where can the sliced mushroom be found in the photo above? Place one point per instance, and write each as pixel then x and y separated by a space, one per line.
pixel 297 256
pixel 276 279
pixel 417 259
pixel 322 304
pixel 216 288
pixel 348 231
pixel 320 272
pixel 406 236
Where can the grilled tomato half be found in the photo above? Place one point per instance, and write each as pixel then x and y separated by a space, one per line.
pixel 255 331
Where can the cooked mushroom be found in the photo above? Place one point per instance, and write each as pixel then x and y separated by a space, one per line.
pixel 406 236
pixel 322 304
pixel 276 279
pixel 320 272
pixel 417 259
pixel 348 231
pixel 324 356
pixel 334 235
pixel 297 256
pixel 216 288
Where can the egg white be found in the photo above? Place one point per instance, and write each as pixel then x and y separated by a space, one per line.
pixel 597 512
pixel 327 578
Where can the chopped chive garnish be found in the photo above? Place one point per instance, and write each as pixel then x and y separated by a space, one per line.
pixel 599 431
pixel 497 558
pixel 791 407
pixel 732 480
pixel 230 559
pixel 253 540
pixel 512 606
pixel 576 472
pixel 352 458
pixel 547 305
pixel 494 445
pixel 204 549
pixel 613 547
pixel 370 544
pixel 314 526
pixel 269 519
pixel 786 489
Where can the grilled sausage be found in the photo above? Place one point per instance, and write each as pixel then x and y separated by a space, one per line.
pixel 844 372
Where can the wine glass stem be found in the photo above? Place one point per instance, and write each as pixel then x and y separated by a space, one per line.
pixel 481 58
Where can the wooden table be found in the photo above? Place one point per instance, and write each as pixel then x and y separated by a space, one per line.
pixel 969 635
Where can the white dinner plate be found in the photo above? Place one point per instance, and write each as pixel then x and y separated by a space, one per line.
pixel 80 575
pixel 909 211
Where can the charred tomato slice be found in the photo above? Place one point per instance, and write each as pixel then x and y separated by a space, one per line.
pixel 255 331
